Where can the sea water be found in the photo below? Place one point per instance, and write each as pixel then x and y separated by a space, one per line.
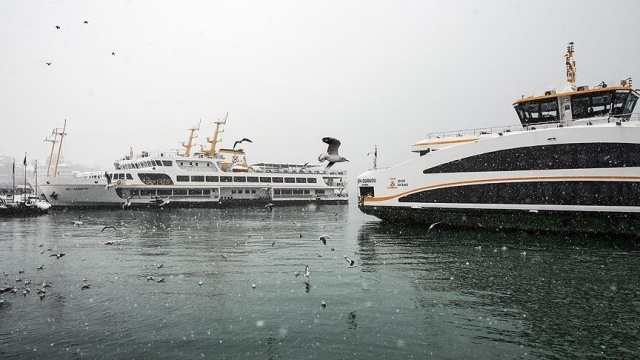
pixel 230 289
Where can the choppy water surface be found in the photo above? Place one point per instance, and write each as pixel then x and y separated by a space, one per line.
pixel 445 295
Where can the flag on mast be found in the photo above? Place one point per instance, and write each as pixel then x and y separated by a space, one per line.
pixel 24 162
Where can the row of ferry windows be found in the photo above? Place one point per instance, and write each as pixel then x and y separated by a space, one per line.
pixel 593 193
pixel 582 106
pixel 250 179
pixel 547 157
pixel 174 192
pixel 146 163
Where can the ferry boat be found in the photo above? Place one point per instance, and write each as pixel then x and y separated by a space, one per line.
pixel 573 164
pixel 209 178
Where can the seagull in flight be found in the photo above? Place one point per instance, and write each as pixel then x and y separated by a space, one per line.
pixel 324 238
pixel 127 202
pixel 107 227
pixel 109 183
pixel 332 152
pixel 269 206
pixel 241 141
pixel 58 256
pixel 432 225
pixel 307 272
pixel 351 263
pixel 163 202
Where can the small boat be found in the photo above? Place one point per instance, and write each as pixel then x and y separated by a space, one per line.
pixel 208 178
pixel 572 164
pixel 22 203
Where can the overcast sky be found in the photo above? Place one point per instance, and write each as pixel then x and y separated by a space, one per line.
pixel 290 72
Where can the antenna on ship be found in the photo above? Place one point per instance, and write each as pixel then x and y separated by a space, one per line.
pixel 62 134
pixel 189 143
pixel 214 142
pixel 375 157
pixel 571 65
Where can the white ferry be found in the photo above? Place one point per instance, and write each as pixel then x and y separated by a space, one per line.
pixel 572 164
pixel 209 178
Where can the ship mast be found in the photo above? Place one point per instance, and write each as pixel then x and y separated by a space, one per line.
pixel 571 66
pixel 53 146
pixel 189 143
pixel 62 134
pixel 214 142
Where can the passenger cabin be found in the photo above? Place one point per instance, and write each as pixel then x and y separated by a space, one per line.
pixel 578 103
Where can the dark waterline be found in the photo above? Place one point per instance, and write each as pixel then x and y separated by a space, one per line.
pixel 449 295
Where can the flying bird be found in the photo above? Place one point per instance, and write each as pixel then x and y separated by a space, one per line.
pixel 306 272
pixel 86 22
pixel 332 152
pixel 78 222
pixel 269 206
pixel 57 27
pixel 107 227
pixel 241 141
pixel 324 238
pixel 48 64
pixel 432 225
pixel 58 256
pixel 127 202
pixel 351 263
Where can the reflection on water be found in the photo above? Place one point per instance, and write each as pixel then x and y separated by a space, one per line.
pixel 442 294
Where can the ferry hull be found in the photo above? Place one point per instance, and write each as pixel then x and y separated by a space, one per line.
pixel 79 192
pixel 593 222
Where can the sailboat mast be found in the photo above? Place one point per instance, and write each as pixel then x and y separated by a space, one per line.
pixel 53 146
pixel 62 134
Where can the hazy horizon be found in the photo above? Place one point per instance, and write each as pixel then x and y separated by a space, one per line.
pixel 140 73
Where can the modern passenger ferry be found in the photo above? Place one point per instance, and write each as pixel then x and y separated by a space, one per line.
pixel 572 164
pixel 208 178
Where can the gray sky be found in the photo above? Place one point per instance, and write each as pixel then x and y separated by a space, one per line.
pixel 290 72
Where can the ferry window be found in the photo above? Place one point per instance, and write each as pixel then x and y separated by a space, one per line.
pixel 129 177
pixel 206 192
pixel 197 178
pixel 277 179
pixel 195 192
pixel 618 102
pixel 182 178
pixel 301 180
pixel 252 179
pixel 212 179
pixel 287 192
pixel 319 191
pixel 289 180
pixel 630 104
pixel 253 191
pixel 366 191
pixel 549 110
pixel 226 178
pixel 147 192
pixel 135 192
pixel 164 192
pixel 276 192
pixel 166 162
pixel 156 179
pixel 180 192
pixel 239 179
pixel 307 192
pixel 600 105
pixel 233 191
pixel 311 180
pixel 297 192
pixel 158 162
pixel 265 179
pixel 580 106
pixel 247 191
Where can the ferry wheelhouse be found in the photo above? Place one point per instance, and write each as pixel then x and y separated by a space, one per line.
pixel 572 164
pixel 208 178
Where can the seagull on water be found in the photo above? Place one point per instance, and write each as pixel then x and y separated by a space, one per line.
pixel 253 285
pixel 332 152
pixel 160 265
pixel 149 278
pixel 200 283
pixel 85 286
pixel 296 273
pixel 269 206
pixel 161 280
pixel 58 256
pixel 78 222
pixel 324 238
pixel 40 267
pixel 351 263
pixel 323 303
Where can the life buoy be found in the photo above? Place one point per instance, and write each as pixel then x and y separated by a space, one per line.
pixel 119 182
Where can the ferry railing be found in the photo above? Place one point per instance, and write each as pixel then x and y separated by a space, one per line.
pixel 532 126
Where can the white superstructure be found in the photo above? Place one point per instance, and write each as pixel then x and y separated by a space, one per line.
pixel 572 164
pixel 208 178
